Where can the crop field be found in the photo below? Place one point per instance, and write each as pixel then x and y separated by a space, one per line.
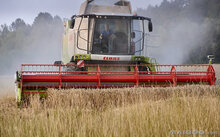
pixel 137 112
pixel 121 112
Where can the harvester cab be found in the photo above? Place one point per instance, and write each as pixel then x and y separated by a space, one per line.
pixel 104 46
pixel 105 33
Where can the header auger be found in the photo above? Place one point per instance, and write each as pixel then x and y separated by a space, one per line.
pixel 104 47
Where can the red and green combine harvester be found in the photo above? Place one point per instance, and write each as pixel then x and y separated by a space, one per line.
pixel 104 47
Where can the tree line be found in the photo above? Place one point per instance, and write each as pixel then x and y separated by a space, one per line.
pixel 36 43
pixel 188 28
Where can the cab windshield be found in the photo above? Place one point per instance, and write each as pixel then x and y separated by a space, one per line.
pixel 112 37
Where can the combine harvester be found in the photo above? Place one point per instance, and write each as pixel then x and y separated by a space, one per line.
pixel 104 46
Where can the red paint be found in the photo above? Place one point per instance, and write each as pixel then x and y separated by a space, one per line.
pixel 80 63
pixel 41 75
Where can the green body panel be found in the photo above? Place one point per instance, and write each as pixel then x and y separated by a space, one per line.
pixel 144 61
pixel 141 59
pixel 82 57
pixel 18 94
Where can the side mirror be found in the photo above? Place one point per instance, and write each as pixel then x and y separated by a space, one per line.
pixel 132 35
pixel 72 23
pixel 211 59
pixel 150 26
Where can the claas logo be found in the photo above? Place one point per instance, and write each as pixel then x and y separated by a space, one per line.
pixel 111 58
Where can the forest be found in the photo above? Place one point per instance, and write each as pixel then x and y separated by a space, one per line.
pixel 185 32
pixel 21 43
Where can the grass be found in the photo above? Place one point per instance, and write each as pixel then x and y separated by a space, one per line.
pixel 144 112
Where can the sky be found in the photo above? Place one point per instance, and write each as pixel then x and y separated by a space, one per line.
pixel 29 9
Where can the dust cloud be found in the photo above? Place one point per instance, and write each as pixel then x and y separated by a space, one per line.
pixel 183 31
pixel 174 43
pixel 7 85
pixel 39 43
